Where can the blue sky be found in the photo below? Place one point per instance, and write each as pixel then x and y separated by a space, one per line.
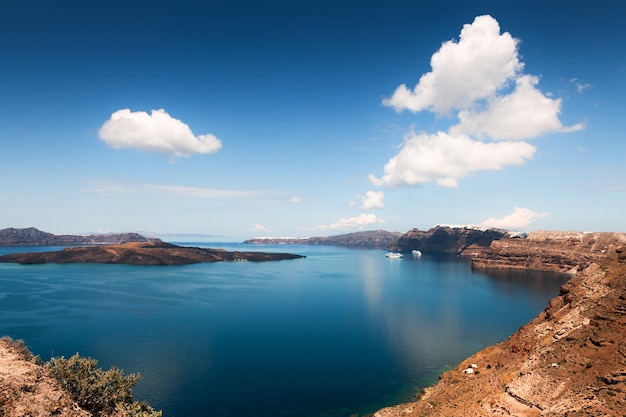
pixel 274 118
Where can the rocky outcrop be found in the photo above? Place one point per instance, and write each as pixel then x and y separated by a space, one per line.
pixel 141 253
pixel 34 237
pixel 369 239
pixel 549 251
pixel 448 240
pixel 570 360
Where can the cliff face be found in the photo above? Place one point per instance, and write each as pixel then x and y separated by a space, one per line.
pixel 552 251
pixel 34 237
pixel 570 360
pixel 448 240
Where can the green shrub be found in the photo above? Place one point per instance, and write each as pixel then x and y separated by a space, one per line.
pixel 97 391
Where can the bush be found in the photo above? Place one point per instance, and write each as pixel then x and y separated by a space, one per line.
pixel 97 391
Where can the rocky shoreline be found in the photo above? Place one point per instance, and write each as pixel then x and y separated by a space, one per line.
pixel 570 360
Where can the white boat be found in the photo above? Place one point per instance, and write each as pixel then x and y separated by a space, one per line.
pixel 393 255
pixel 416 252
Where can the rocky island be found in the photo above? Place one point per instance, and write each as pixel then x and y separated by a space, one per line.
pixel 141 253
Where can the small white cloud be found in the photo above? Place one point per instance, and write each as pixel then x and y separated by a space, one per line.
pixel 155 132
pixel 520 219
pixel 445 159
pixel 580 86
pixel 373 199
pixel 351 222
pixel 295 200
pixel 259 228
pixel 525 113
pixel 476 67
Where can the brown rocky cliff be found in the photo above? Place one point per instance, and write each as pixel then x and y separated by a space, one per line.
pixel 570 360
pixel 567 252
pixel 447 240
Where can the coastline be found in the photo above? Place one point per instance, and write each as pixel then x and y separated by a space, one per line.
pixel 570 358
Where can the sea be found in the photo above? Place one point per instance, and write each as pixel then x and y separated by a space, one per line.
pixel 342 332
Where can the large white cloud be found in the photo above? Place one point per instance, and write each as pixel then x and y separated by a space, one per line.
pixel 520 219
pixel 351 222
pixel 474 68
pixel 444 158
pixel 523 114
pixel 479 77
pixel 155 132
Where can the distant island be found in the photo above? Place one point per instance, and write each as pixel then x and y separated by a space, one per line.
pixel 374 239
pixel 34 237
pixel 141 253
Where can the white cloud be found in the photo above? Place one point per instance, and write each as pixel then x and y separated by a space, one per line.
pixel 173 191
pixel 295 200
pixel 351 222
pixel 523 114
pixel 373 199
pixel 259 228
pixel 474 68
pixel 480 76
pixel 155 132
pixel 520 219
pixel 444 159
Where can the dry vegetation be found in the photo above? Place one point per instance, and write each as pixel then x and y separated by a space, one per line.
pixel 73 387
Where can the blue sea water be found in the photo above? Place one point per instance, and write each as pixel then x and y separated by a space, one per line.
pixel 340 332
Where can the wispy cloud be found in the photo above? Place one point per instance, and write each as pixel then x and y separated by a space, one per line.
pixel 353 222
pixel 174 191
pixel 580 85
pixel 498 108
pixel 155 132
pixel 520 219
pixel 295 200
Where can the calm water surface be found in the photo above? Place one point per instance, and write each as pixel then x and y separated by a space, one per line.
pixel 343 331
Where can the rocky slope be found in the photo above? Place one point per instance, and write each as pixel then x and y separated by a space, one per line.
pixel 141 253
pixel 28 389
pixel 551 251
pixel 448 240
pixel 34 237
pixel 570 360
pixel 370 239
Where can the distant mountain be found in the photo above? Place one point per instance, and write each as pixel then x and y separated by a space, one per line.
pixel 368 239
pixel 34 237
